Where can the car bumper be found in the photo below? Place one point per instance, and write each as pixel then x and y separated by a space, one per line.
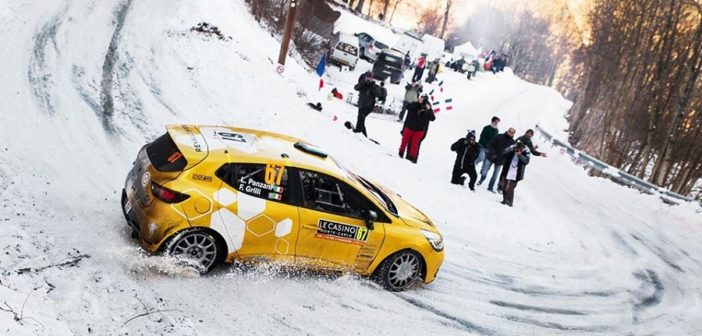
pixel 340 61
pixel 433 261
pixel 151 230
pixel 126 209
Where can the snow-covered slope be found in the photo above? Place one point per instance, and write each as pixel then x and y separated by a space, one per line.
pixel 576 254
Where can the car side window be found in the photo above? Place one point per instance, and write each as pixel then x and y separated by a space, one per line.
pixel 325 193
pixel 258 180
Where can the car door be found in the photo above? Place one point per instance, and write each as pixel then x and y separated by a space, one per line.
pixel 259 210
pixel 333 231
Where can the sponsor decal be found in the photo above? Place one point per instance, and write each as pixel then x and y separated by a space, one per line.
pixel 193 138
pixel 145 179
pixel 127 206
pixel 204 178
pixel 174 157
pixel 341 232
pixel 237 137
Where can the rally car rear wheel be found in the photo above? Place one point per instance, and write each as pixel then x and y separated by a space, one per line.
pixel 197 248
pixel 400 271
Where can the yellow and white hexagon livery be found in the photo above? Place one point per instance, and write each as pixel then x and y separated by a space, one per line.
pixel 209 194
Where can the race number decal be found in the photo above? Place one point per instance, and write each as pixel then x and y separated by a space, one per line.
pixel 274 174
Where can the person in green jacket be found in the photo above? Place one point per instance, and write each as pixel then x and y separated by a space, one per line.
pixel 486 135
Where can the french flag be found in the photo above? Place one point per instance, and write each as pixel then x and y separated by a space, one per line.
pixel 321 67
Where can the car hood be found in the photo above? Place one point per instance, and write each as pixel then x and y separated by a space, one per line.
pixel 408 212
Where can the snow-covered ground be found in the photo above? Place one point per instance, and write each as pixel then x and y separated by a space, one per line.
pixel 576 255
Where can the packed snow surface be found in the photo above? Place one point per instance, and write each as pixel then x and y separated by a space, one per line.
pixel 86 83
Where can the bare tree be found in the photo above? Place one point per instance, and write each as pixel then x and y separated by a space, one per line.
pixel 430 22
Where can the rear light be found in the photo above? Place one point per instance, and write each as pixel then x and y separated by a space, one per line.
pixel 167 195
pixel 370 46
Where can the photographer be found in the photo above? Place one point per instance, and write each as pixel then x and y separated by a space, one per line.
pixel 516 158
pixel 368 92
pixel 466 151
pixel 419 114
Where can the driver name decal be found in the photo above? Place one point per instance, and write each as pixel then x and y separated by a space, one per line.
pixel 341 232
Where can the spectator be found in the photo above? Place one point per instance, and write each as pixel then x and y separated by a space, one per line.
pixel 486 135
pixel 419 69
pixel 466 151
pixel 368 92
pixel 526 140
pixel 495 157
pixel 516 157
pixel 383 94
pixel 419 114
pixel 412 92
pixel 434 68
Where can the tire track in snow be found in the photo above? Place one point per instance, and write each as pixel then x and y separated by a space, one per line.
pixel 650 281
pixel 39 74
pixel 465 324
pixel 108 68
pixel 547 310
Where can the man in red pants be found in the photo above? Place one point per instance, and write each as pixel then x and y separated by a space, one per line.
pixel 419 114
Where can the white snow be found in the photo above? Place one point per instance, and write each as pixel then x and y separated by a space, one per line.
pixel 576 255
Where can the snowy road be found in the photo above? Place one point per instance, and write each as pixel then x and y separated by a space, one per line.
pixel 87 83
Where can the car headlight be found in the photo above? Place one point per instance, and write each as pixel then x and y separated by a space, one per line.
pixel 436 241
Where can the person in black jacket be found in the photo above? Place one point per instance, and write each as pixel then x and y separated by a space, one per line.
pixel 466 151
pixel 494 154
pixel 526 140
pixel 516 158
pixel 368 92
pixel 419 114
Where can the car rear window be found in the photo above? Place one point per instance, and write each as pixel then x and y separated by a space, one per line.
pixel 380 45
pixel 165 155
pixel 392 60
pixel 347 48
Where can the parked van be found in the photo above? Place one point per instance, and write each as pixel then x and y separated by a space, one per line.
pixel 433 47
pixel 344 50
pixel 409 43
pixel 389 64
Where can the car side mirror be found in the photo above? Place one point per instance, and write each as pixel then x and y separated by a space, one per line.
pixel 370 217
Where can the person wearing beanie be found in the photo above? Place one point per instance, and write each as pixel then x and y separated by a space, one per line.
pixel 368 92
pixel 467 151
pixel 419 115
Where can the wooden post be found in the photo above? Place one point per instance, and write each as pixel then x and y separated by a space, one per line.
pixel 285 43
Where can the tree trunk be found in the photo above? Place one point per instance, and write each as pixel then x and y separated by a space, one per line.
pixel 359 7
pixel 446 15
pixel 393 10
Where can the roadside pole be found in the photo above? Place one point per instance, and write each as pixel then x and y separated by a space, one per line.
pixel 289 25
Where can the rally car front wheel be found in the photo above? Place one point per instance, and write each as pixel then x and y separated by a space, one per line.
pixel 400 271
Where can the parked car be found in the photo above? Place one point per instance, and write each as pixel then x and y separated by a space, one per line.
pixel 344 50
pixel 370 47
pixel 390 63
pixel 208 194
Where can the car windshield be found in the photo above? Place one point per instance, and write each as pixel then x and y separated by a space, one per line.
pixel 380 45
pixel 378 194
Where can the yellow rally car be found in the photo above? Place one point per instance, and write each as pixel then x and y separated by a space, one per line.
pixel 213 193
